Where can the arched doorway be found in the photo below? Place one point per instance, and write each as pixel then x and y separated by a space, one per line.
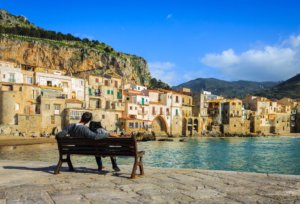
pixel 196 125
pixel 159 126
pixel 190 126
pixel 184 125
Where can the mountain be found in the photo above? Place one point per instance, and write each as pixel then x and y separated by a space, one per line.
pixel 229 89
pixel 23 42
pixel 289 88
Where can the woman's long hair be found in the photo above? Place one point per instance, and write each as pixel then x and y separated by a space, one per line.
pixel 95 125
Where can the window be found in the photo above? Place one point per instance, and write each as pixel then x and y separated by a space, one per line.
pixel 127 98
pixel 56 109
pixel 135 108
pixel 81 82
pixel 176 112
pixel 161 110
pixel 96 80
pixel 49 83
pixel 108 92
pixel 65 84
pixel 52 120
pixel 112 92
pixel 98 104
pixel 29 80
pixel 117 116
pixel 177 99
pixel 131 125
pixel 130 107
pixel 153 110
pixel 103 116
pixel 12 77
pixel 136 125
pixel 17 106
pixel 47 106
pixel 3 76
pixel 116 84
pixel 75 115
pixel 106 82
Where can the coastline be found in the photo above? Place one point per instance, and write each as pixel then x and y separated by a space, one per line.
pixel 34 182
pixel 17 141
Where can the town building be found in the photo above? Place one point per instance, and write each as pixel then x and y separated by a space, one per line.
pixel 10 72
pixel 37 101
pixel 268 116
pixel 200 108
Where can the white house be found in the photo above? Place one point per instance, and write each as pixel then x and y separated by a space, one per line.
pixel 54 79
pixel 78 88
pixel 10 72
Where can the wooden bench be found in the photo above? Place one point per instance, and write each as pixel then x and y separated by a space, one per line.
pixel 68 146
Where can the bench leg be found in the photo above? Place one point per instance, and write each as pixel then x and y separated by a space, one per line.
pixel 70 163
pixel 134 168
pixel 141 167
pixel 58 166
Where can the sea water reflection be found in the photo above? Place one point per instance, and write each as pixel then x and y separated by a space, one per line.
pixel 261 154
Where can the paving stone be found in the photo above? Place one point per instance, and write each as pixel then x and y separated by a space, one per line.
pixel 21 184
pixel 66 199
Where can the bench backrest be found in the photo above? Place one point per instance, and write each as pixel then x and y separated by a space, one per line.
pixel 105 147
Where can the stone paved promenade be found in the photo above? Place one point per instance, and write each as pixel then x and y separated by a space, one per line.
pixel 34 182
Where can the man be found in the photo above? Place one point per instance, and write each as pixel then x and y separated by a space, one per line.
pixel 81 130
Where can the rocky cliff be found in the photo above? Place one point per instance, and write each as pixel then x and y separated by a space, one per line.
pixel 74 56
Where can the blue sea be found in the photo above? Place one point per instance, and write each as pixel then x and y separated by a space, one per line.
pixel 259 154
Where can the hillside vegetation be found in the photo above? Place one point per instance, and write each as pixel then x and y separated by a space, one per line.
pixel 289 88
pixel 234 89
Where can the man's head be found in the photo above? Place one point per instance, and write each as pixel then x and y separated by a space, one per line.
pixel 86 117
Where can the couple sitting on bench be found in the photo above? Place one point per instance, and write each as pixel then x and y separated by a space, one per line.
pixel 94 131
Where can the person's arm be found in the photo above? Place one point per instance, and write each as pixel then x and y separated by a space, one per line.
pixel 90 134
pixel 68 128
pixel 65 131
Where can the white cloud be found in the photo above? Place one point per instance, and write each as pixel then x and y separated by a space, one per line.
pixel 276 62
pixel 163 71
pixel 169 16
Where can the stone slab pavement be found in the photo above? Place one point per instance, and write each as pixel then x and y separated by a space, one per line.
pixel 34 182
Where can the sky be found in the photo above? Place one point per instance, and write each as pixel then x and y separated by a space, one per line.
pixel 257 40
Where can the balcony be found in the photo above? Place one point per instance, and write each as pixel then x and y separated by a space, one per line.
pixel 118 107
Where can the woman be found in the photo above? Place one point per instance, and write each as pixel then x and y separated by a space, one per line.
pixel 97 128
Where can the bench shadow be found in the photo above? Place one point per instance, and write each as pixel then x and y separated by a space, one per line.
pixel 51 169
pixel 48 169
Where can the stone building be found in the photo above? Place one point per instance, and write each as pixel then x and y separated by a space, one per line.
pixel 234 119
pixel 269 116
pixel 190 122
pixel 18 101
pixel 295 119
pixel 200 107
